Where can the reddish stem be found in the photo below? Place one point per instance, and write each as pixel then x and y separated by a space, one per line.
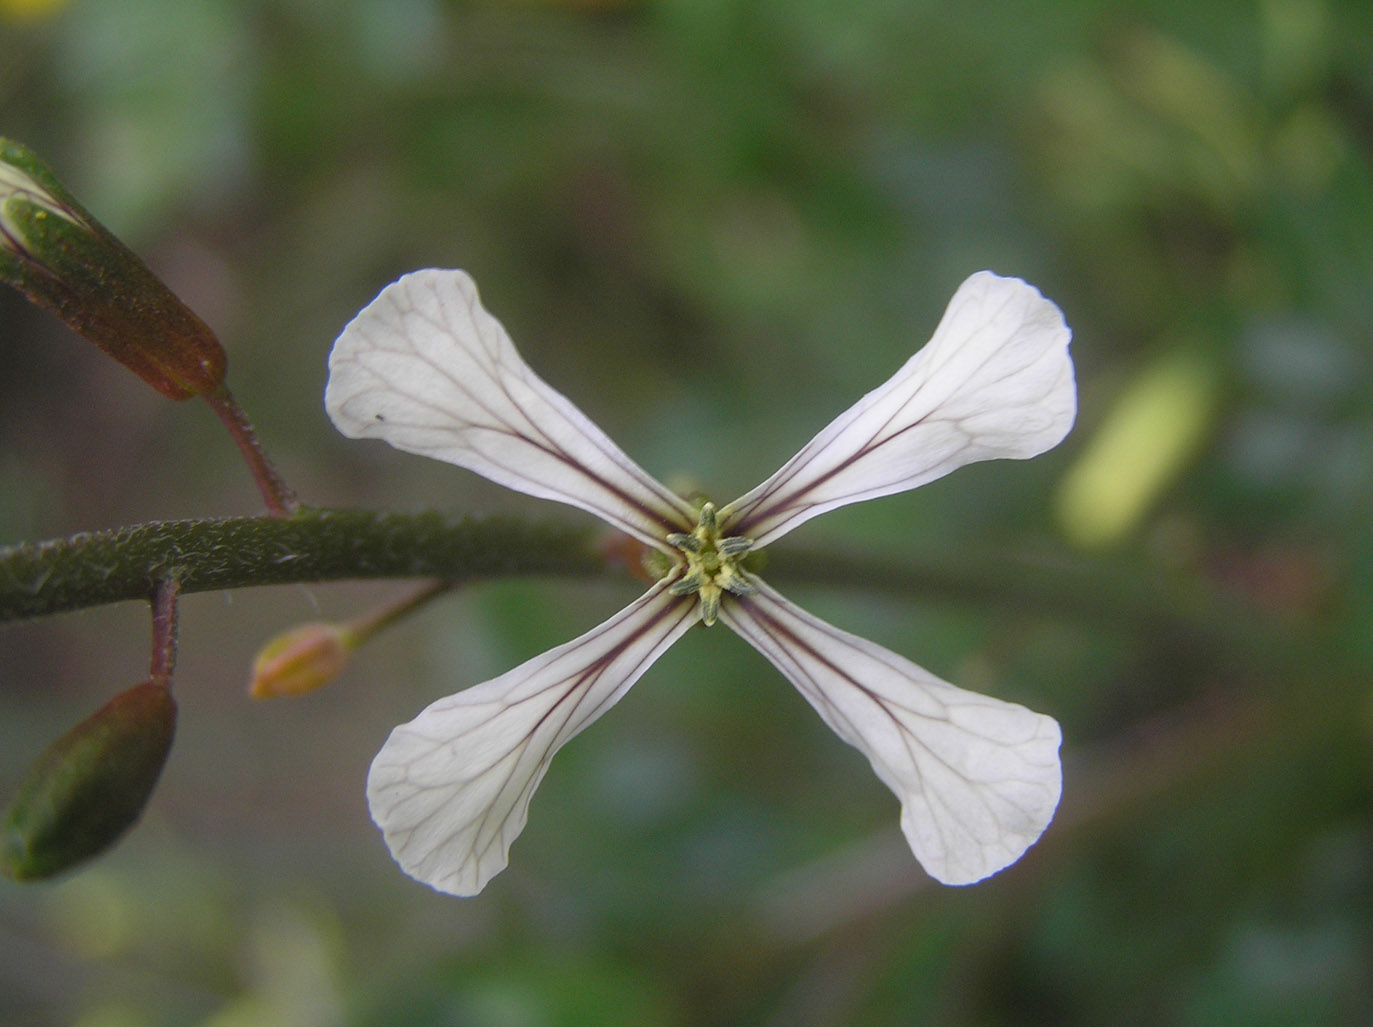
pixel 280 498
pixel 367 625
pixel 163 659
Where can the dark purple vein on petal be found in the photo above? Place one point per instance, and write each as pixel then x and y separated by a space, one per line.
pixel 566 709
pixel 777 499
pixel 544 441
pixel 785 644
pixel 529 432
pixel 780 640
pixel 556 402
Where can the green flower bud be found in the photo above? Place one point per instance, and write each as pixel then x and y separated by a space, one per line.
pixel 90 786
pixel 62 259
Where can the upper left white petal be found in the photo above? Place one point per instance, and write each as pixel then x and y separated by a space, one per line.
pixel 451 789
pixel 426 368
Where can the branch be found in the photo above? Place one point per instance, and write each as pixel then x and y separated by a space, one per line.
pixel 312 545
pixel 91 568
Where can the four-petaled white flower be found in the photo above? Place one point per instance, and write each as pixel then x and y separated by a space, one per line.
pixel 427 369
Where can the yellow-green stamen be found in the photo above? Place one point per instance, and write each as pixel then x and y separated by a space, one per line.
pixel 712 564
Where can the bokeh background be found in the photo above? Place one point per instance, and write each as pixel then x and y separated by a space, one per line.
pixel 714 225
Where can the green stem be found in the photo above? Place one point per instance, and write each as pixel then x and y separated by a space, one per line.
pixel 37 579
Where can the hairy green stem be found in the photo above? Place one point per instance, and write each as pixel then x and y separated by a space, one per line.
pixel 311 545
pixel 88 569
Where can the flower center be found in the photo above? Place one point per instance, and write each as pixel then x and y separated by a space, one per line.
pixel 712 564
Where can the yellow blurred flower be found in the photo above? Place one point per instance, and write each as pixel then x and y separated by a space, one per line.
pixel 29 10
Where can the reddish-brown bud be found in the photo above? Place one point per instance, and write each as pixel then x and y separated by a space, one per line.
pixel 62 259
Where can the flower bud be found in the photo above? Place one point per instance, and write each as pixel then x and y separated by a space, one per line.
pixel 301 659
pixel 90 786
pixel 62 259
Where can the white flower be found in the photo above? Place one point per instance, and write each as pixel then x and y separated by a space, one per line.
pixel 427 369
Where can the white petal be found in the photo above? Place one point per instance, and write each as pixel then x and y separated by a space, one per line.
pixel 426 368
pixel 978 779
pixel 450 790
pixel 994 381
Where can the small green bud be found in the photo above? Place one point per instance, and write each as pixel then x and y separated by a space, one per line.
pixel 64 260
pixel 90 786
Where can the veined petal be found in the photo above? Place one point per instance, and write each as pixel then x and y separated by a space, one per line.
pixel 450 789
pixel 426 368
pixel 978 779
pixel 994 381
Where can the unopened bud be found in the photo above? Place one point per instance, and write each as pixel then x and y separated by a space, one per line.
pixel 62 259
pixel 301 660
pixel 90 786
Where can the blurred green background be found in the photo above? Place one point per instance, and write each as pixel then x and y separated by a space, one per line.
pixel 714 225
